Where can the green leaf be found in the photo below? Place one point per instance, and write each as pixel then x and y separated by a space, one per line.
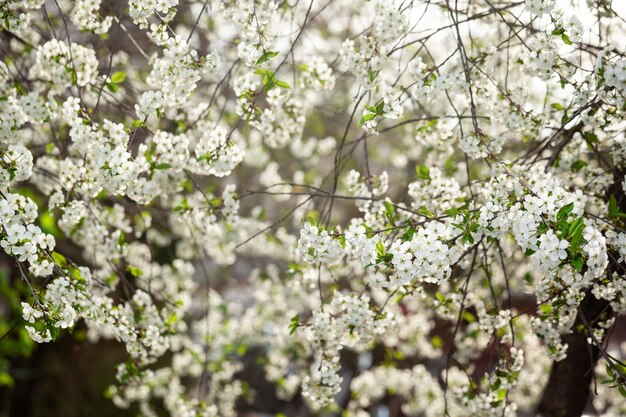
pixel 577 263
pixel 283 84
pixel 546 309
pixel 380 249
pixel 557 106
pixel 171 319
pixel 467 238
pixel 134 271
pixel 366 118
pixel 206 157
pixel 73 77
pixel 6 380
pixel 266 56
pixel 614 210
pixel 118 77
pixel 294 323
pixel 564 211
pixel 137 123
pixel 424 210
pixel 566 39
pixel 501 394
pixel 389 211
pixel 114 88
pixel 590 138
pixel 468 317
pixel 436 342
pixel 496 384
pixel 408 235
pixel 578 165
pixel 423 172
pixel 162 165
pixel 575 232
pixel 59 259
pixel 53 332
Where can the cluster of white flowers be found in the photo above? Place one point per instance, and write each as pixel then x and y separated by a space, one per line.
pixel 615 75
pixel 368 187
pixel 216 153
pixel 16 14
pixel 178 71
pixel 358 245
pixel 317 245
pixel 140 10
pixel 427 257
pixel 436 193
pixel 85 15
pixel 420 389
pixel 317 75
pixel 21 238
pixel 16 164
pixel 540 7
pixel 65 65
pixel 180 180
pixel 473 146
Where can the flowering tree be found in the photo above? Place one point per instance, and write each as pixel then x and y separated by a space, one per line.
pixel 381 207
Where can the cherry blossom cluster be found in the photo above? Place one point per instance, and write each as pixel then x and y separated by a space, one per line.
pixel 371 203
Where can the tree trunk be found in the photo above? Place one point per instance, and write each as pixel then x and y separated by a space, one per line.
pixel 567 391
pixel 568 388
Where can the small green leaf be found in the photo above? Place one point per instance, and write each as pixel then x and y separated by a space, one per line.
pixel 134 271
pixel 577 263
pixel 408 235
pixel 366 118
pixel 566 39
pixel 468 317
pixel 389 211
pixel 59 259
pixel 436 342
pixel 294 323
pixel 575 232
pixel 423 172
pixel 6 380
pixel 564 211
pixel 162 165
pixel 501 394
pixel 206 157
pixel 578 165
pixel 380 249
pixel 118 77
pixel 590 138
pixel 614 210
pixel 557 106
pixel 266 56
pixel 496 384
